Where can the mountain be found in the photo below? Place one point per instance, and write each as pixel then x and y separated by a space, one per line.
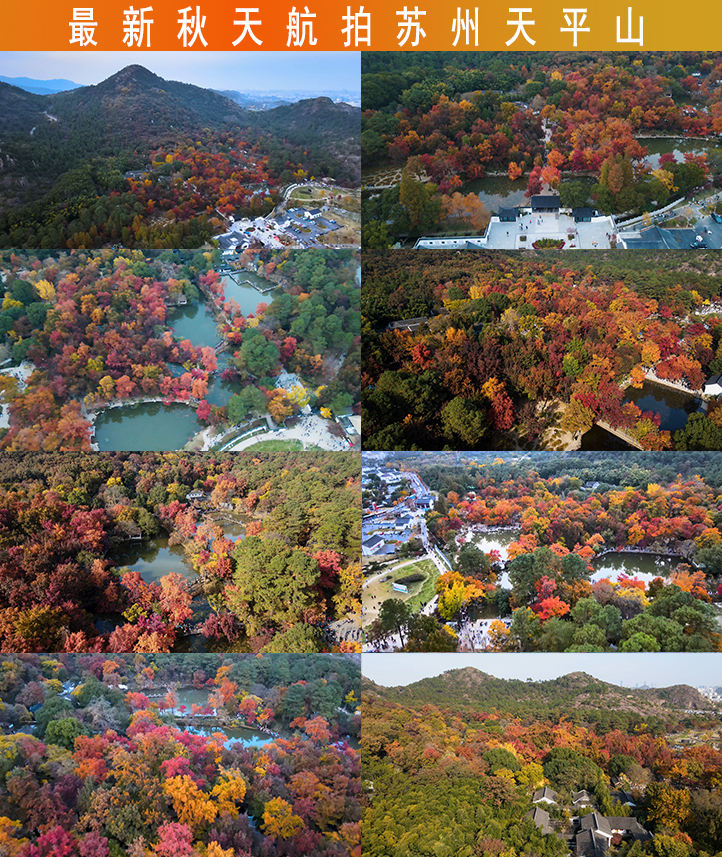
pixel 469 687
pixel 40 87
pixel 319 124
pixel 64 158
pixel 318 115
pixel 134 106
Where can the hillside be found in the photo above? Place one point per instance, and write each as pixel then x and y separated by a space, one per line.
pixel 19 110
pixel 320 115
pixel 471 688
pixel 135 106
pixel 65 157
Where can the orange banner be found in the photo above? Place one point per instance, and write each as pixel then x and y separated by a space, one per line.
pixel 168 25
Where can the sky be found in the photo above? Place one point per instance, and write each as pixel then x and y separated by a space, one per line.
pixel 656 670
pixel 241 71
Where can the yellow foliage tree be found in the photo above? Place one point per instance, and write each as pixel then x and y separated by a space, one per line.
pixel 9 845
pixel 279 820
pixel 498 636
pixel 229 792
pixel 190 804
pixel 666 178
pixel 45 290
pixel 215 850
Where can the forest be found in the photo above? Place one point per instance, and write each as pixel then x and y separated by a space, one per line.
pixel 523 351
pixel 568 120
pixel 278 586
pixel 459 762
pixel 565 513
pixel 96 329
pixel 102 757
pixel 140 161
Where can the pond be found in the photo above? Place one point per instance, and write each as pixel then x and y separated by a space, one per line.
pixel 196 323
pixel 153 558
pixel 247 737
pixel 645 566
pixel 233 527
pixel 498 192
pixel 677 146
pixel 152 426
pixel 501 192
pixel 220 391
pixel 673 406
pixel 497 540
pixel 189 697
pixel 246 296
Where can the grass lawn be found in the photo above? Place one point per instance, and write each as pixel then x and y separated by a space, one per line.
pixel 279 445
pixel 307 193
pixel 419 593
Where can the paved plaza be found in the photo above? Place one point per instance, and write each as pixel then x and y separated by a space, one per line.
pixel 599 233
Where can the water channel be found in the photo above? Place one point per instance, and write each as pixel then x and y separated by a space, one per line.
pixel 157 427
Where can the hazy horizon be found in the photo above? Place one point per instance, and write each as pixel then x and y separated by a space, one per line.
pixel 662 669
pixel 312 71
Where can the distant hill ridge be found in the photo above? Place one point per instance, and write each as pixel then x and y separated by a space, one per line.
pixel 40 87
pixel 136 105
pixel 469 687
